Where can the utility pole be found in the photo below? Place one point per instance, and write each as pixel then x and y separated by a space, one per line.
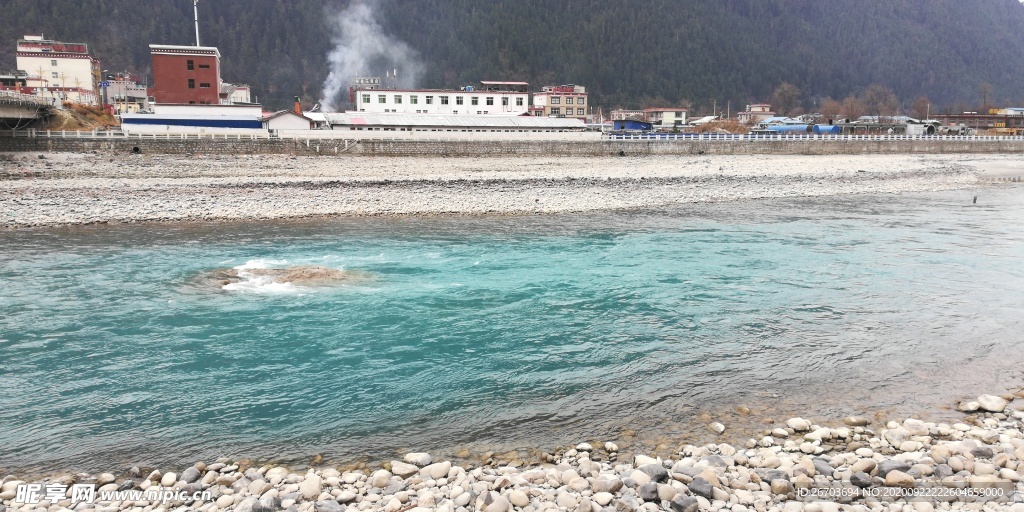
pixel 195 12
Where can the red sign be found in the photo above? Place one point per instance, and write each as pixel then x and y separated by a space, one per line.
pixel 563 88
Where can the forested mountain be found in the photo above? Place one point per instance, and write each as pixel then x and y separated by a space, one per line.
pixel 628 54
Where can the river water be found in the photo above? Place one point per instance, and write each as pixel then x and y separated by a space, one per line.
pixel 502 332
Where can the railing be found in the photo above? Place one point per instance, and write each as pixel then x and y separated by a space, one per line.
pixel 797 137
pixel 455 136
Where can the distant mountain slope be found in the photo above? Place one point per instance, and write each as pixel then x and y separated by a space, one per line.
pixel 626 53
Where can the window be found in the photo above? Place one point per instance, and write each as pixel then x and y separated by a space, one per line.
pixel 580 112
pixel 568 101
pixel 413 99
pixel 556 111
pixel 444 100
pixel 398 99
pixel 191 103
pixel 519 102
pixel 204 66
pixel 382 98
pixel 190 64
pixel 581 101
pixel 490 100
pixel 430 100
pixel 53 62
pixel 204 86
pixel 475 100
pixel 459 100
pixel 504 102
pixel 556 100
pixel 54 74
pixel 191 83
pixel 366 98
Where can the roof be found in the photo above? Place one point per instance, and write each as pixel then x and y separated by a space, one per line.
pixel 284 112
pixel 503 83
pixel 449 91
pixel 677 109
pixel 461 121
pixel 184 50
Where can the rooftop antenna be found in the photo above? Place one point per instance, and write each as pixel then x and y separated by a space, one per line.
pixel 195 12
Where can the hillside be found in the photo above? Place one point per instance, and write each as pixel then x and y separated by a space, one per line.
pixel 628 54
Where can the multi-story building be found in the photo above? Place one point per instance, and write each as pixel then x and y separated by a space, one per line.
pixel 665 117
pixel 561 101
pixel 755 113
pixel 507 98
pixel 58 70
pixel 624 114
pixel 123 93
pixel 186 74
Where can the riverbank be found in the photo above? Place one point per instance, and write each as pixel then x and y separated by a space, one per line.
pixel 74 188
pixel 849 464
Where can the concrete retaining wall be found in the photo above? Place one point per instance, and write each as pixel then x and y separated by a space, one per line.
pixel 457 148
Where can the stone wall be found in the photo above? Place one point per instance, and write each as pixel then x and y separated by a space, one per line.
pixel 457 148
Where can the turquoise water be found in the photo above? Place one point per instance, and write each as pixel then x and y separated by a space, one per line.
pixel 498 331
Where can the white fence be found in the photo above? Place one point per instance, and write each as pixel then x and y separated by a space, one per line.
pixel 484 136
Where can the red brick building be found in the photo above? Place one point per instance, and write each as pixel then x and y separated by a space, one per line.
pixel 187 75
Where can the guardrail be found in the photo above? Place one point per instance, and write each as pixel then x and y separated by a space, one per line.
pixel 7 96
pixel 795 137
pixel 328 134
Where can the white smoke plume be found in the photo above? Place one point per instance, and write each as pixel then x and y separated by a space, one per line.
pixel 361 48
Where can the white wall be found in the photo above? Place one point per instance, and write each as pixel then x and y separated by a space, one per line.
pixel 288 122
pixel 71 72
pixel 437 107
pixel 209 110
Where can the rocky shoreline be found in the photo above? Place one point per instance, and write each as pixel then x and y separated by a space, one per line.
pixel 853 465
pixel 71 189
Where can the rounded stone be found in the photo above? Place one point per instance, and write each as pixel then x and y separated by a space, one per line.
pixel 168 479
pixel 518 498
pixel 897 478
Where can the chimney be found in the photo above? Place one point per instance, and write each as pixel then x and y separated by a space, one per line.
pixel 298 107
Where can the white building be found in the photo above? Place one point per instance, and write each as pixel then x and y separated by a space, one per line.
pixel 59 71
pixel 561 101
pixel 235 93
pixel 508 98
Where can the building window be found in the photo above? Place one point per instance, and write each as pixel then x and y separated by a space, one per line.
pixel 204 86
pixel 191 103
pixel 444 100
pixel 54 74
pixel 430 100
pixel 366 98
pixel 504 102
pixel 398 99
pixel 53 62
pixel 556 100
pixel 556 111
pixel 413 99
pixel 475 100
pixel 204 66
pixel 382 98
pixel 581 101
pixel 459 100
pixel 519 102
pixel 490 100
pixel 191 83
pixel 580 112
pixel 190 65
pixel 568 101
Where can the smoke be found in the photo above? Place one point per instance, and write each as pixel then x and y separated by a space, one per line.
pixel 362 48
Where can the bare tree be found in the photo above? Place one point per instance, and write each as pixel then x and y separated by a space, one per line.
pixel 921 109
pixel 830 109
pixel 785 98
pixel 881 101
pixel 986 92
pixel 853 107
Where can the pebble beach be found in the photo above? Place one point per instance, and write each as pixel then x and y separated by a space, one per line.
pixel 851 464
pixel 971 459
pixel 67 189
